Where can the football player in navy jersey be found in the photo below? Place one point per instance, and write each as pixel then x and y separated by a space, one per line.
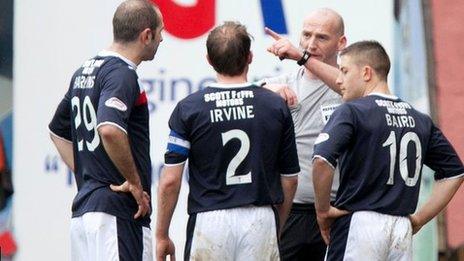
pixel 239 141
pixel 380 143
pixel 101 131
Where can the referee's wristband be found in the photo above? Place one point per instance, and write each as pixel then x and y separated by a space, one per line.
pixel 304 58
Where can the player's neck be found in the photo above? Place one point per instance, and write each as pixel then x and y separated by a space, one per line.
pixel 221 78
pixel 127 51
pixel 379 87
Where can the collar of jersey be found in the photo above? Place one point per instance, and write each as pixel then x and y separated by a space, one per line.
pixel 392 97
pixel 115 54
pixel 230 85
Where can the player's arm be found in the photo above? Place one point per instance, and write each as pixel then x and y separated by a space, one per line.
pixel 289 185
pixel 120 90
pixel 288 166
pixel 328 147
pixel 283 48
pixel 443 191
pixel 168 194
pixel 60 131
pixel 65 149
pixel 176 155
pixel 116 144
pixel 449 172
pixel 322 181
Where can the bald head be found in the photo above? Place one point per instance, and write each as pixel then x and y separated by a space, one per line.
pixel 328 17
pixel 228 47
pixel 132 17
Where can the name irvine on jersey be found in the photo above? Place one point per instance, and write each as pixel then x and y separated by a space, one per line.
pixel 229 105
pixel 396 114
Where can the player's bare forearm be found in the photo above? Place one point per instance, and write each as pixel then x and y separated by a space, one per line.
pixel 442 193
pixel 65 149
pixel 168 194
pixel 117 147
pixel 289 185
pixel 322 181
pixel 325 72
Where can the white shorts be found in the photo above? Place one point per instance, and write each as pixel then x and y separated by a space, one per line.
pixel 370 236
pixel 100 236
pixel 244 233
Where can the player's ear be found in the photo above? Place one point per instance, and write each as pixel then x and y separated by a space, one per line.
pixel 146 36
pixel 341 43
pixel 209 61
pixel 250 57
pixel 367 72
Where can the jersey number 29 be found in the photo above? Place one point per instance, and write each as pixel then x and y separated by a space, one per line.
pixel 90 124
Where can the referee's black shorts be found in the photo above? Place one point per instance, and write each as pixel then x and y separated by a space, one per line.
pixel 301 238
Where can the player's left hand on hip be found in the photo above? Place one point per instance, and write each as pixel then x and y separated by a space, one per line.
pixel 325 220
pixel 124 187
pixel 415 224
pixel 142 197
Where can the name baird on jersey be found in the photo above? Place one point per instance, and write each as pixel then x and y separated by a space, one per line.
pixel 396 114
pixel 230 105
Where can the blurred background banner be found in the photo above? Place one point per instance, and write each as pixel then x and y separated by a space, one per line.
pixel 53 38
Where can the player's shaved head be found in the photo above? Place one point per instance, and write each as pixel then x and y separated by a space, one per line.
pixel 370 53
pixel 228 47
pixel 329 17
pixel 132 17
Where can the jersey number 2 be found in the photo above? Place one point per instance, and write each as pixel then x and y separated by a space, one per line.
pixel 90 124
pixel 403 164
pixel 231 178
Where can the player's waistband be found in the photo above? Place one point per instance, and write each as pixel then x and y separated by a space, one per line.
pixel 304 207
pixel 297 207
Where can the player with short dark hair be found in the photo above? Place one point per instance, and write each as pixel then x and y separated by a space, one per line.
pixel 380 143
pixel 240 144
pixel 227 49
pixel 101 131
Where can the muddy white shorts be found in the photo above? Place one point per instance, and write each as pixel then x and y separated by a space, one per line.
pixel 244 233
pixel 370 236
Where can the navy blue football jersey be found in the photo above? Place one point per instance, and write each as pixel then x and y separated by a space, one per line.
pixel 239 140
pixel 381 144
pixel 104 90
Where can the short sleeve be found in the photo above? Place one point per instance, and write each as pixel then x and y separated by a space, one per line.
pixel 120 90
pixel 441 156
pixel 336 135
pixel 178 147
pixel 60 126
pixel 288 156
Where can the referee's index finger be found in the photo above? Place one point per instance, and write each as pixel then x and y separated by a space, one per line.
pixel 273 34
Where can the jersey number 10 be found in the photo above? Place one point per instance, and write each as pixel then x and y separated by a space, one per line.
pixel 403 163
